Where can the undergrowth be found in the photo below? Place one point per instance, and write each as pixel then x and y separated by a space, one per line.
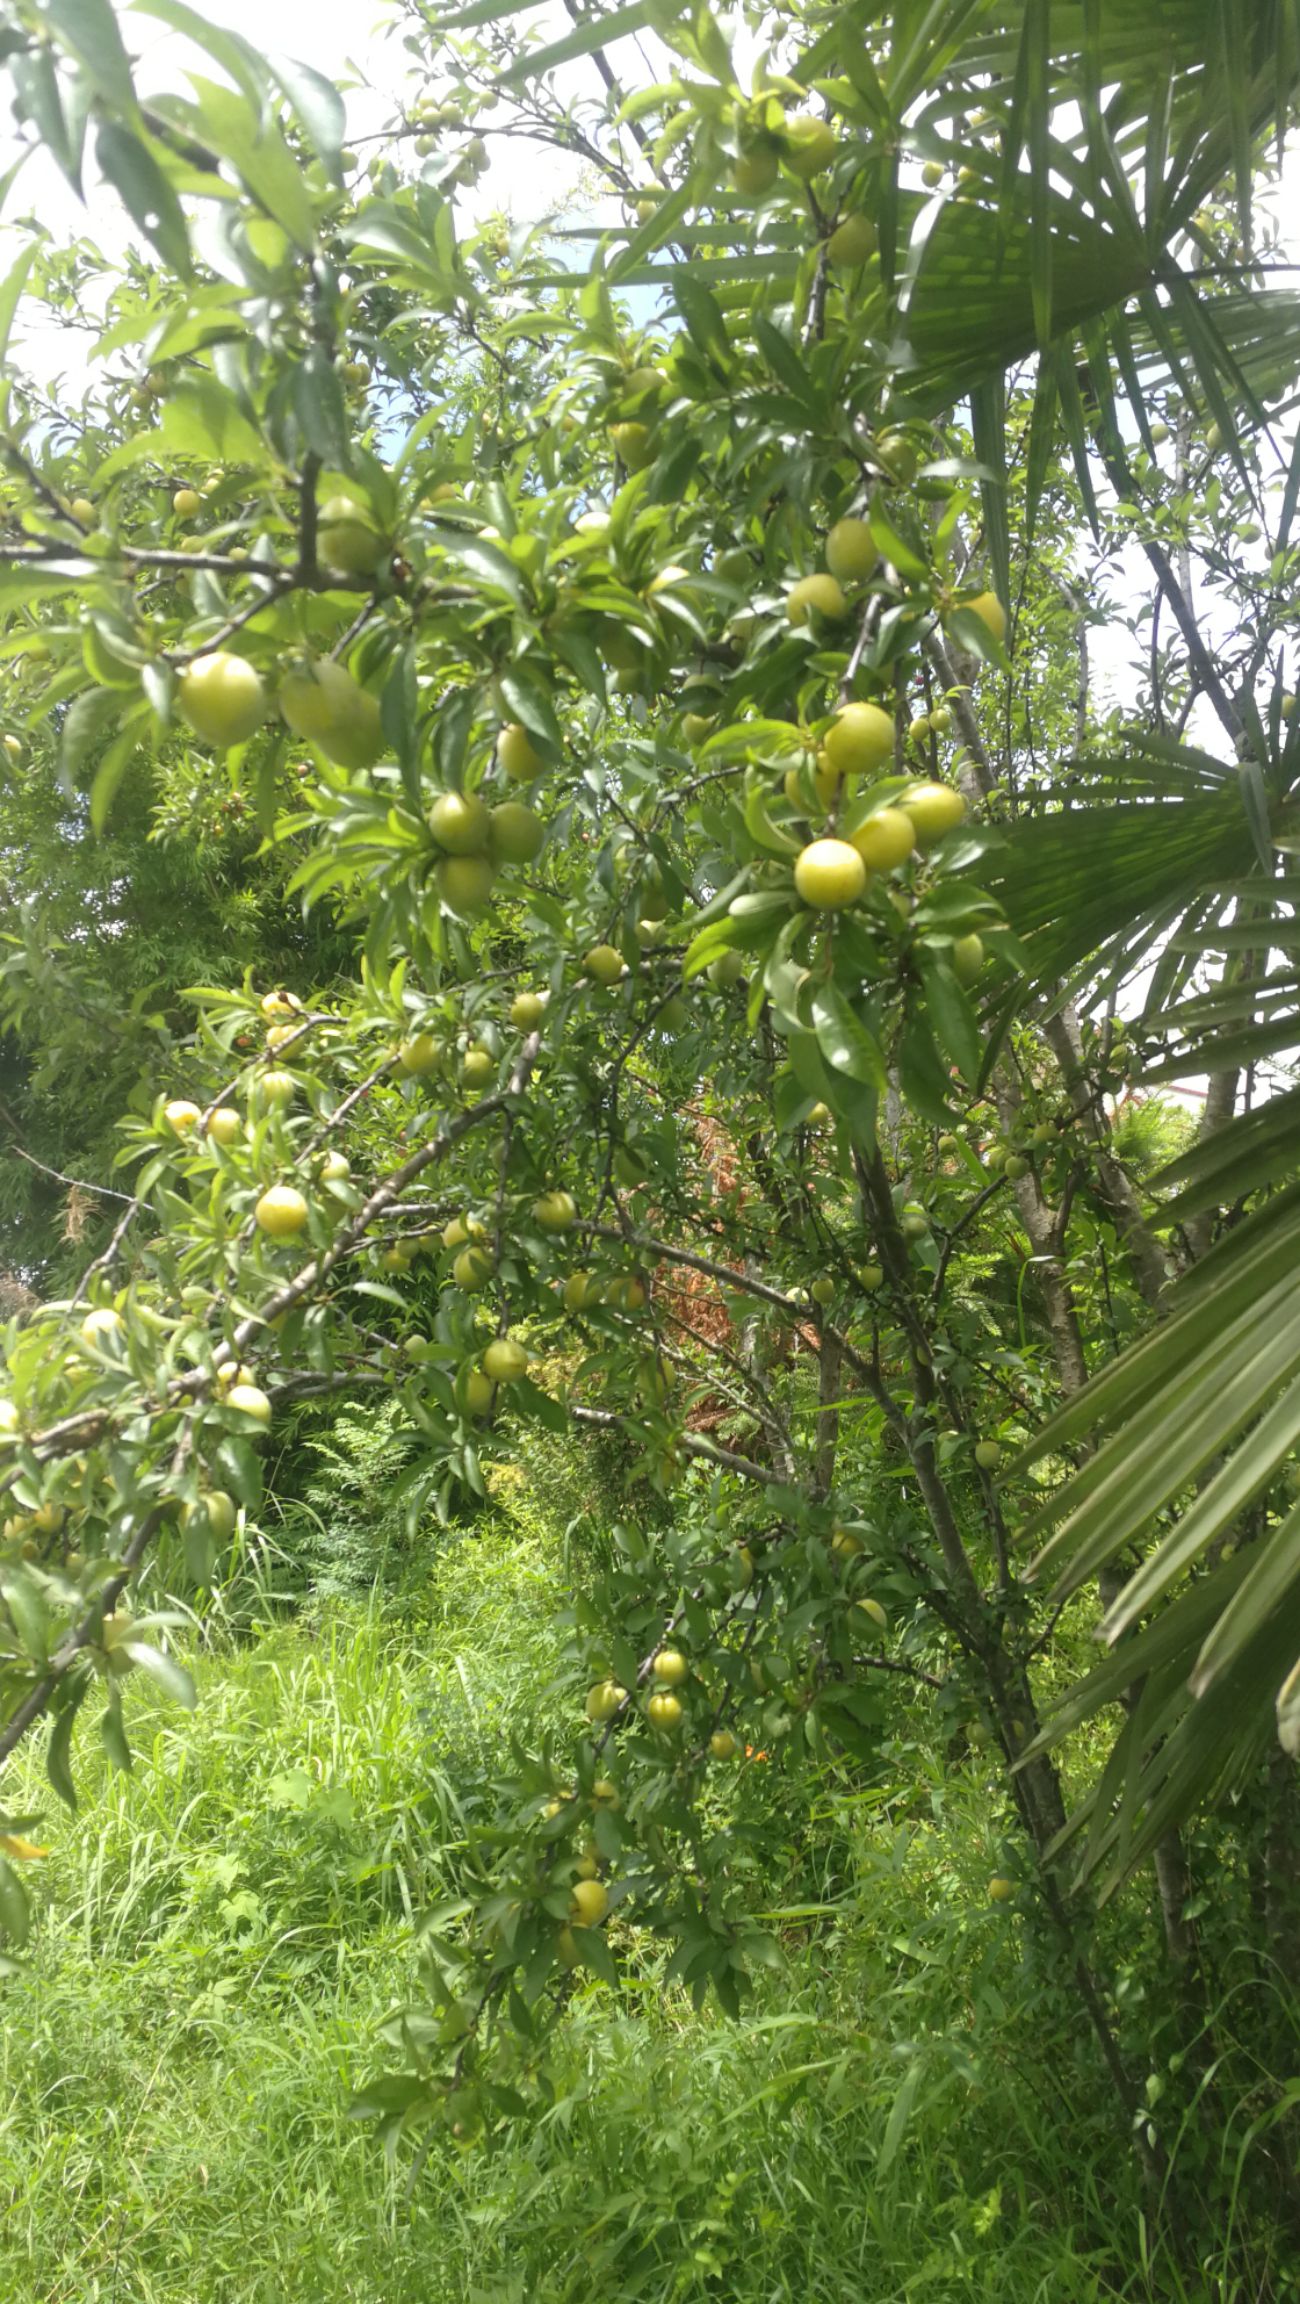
pixel 904 2113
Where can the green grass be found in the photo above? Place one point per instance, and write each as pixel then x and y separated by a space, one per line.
pixel 904 2116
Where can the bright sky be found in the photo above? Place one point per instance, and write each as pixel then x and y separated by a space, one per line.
pixel 362 50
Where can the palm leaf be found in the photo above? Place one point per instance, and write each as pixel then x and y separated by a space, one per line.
pixel 1097 886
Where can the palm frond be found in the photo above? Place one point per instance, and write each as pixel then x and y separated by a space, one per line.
pixel 1099 886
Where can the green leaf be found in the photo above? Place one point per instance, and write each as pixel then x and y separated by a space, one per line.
pixel 809 1070
pixel 1254 799
pixel 1099 883
pixel 112 1734
pixel 41 100
pixel 1250 1151
pixel 393 231
pixel 702 315
pixel 1172 1634
pixel 529 702
pixel 11 290
pixel 1288 1714
pixel 89 30
pixel 201 418
pixel 169 1675
pixel 146 194
pixel 87 719
pixel 532 1401
pixel 989 430
pixel 319 107
pixel 653 233
pixel 31 1617
pixel 844 1041
pixel 321 410
pixel 950 1011
pixel 109 774
pixel 784 361
pixel 1271 1581
pixel 234 54
pixel 595 32
pixel 15 1914
pixel 1032 114
pixel 922 1077
pixel 58 1751
pixel 486 559
pixel 593 1947
pixel 905 557
pixel 705 947
pixel 900 2112
pixel 482 12
pixel 971 314
pixel 1219 1505
pixel 258 152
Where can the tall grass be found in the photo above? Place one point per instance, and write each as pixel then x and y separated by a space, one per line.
pixel 904 2115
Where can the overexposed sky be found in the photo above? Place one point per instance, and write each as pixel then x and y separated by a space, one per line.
pixel 360 47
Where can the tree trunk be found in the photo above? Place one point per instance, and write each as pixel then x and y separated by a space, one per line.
pixel 1042 1225
pixel 1282 1867
pixel 1150 1266
pixel 828 1415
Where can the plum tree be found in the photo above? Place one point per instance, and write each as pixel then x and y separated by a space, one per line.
pixel 222 698
pixel 670 1667
pixel 717 579
pixel 419 1053
pixel 518 756
pixel 589 1903
pixel 808 145
pixel 322 702
pixel 460 823
pixel 516 834
pixel 555 1211
pixel 853 241
pixel 505 1360
pixel 604 964
pixel 348 538
pixel 829 874
pixel 817 594
pixel 886 838
pixel 934 809
pixel 281 1212
pixel 852 553
pixel 860 738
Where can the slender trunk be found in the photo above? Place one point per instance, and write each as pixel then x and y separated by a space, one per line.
pixel 977 768
pixel 750 1356
pixel 1220 1098
pixel 1282 1867
pixel 1034 1784
pixel 1150 1266
pixel 828 1415
pixel 1174 1884
pixel 1042 1224
pixel 1220 1102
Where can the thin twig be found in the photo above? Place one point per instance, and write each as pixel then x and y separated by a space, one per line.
pixel 74 1183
